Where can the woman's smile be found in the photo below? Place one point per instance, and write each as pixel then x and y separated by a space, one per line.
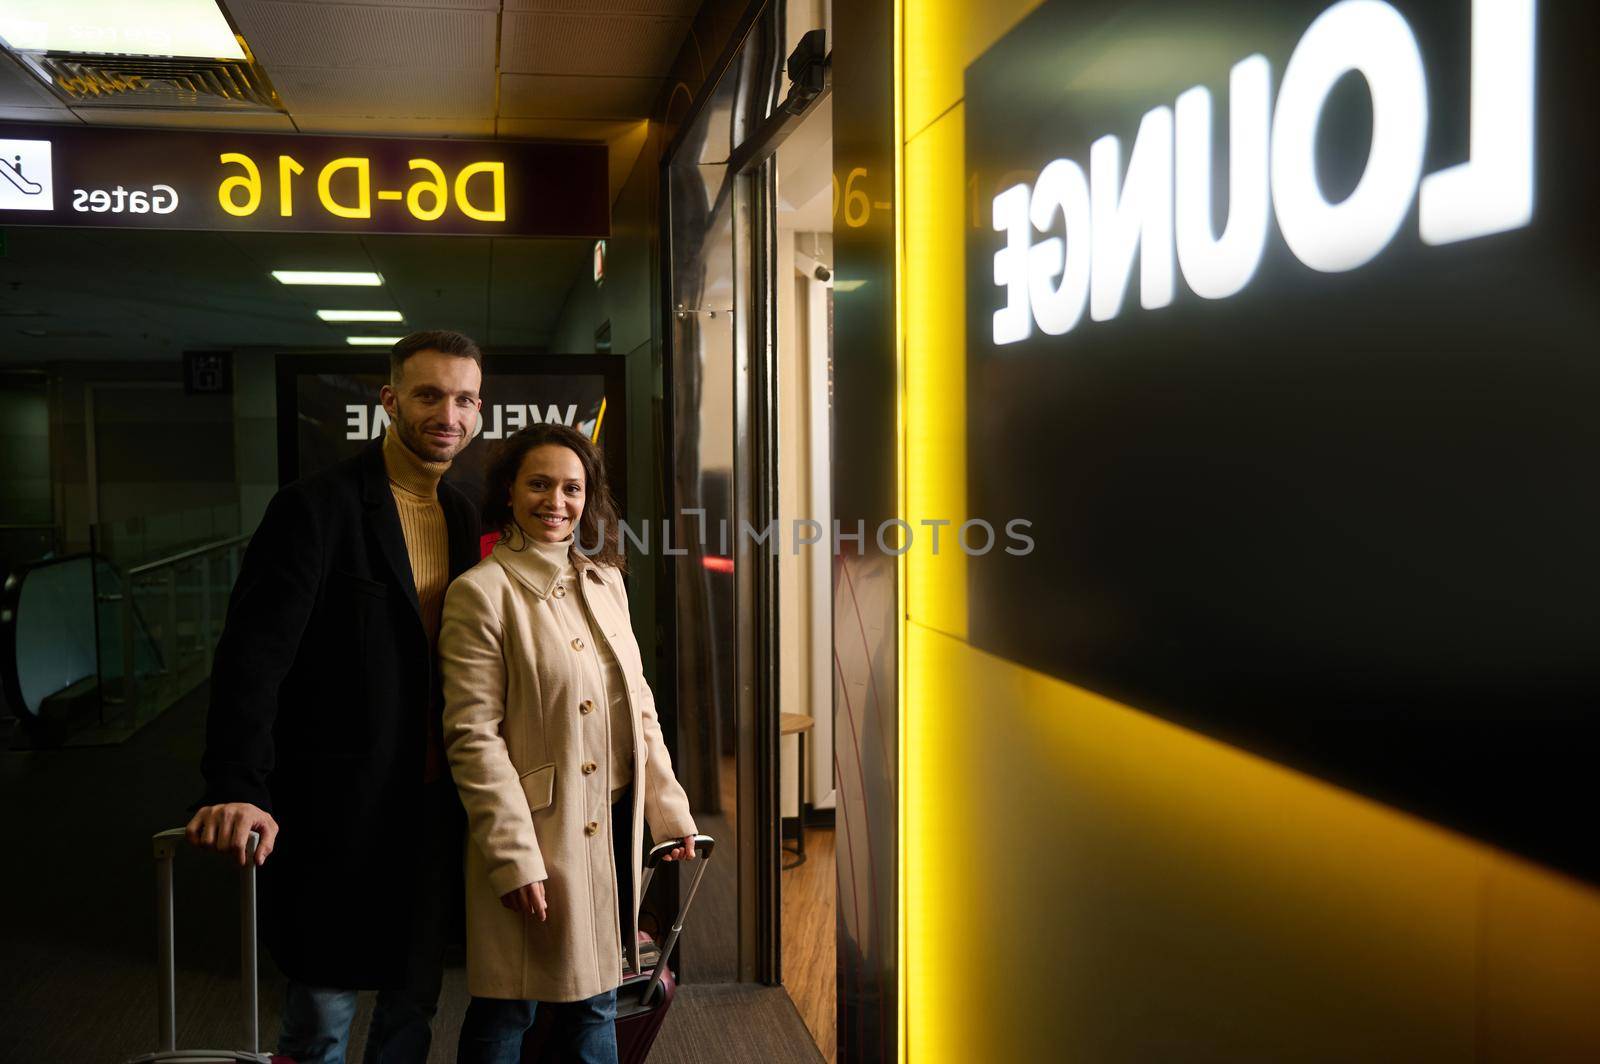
pixel 550 474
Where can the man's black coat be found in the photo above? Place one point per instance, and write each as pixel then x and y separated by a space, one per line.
pixel 322 687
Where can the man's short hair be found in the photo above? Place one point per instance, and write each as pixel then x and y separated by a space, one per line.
pixel 441 340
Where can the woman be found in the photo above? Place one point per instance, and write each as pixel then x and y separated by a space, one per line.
pixel 547 721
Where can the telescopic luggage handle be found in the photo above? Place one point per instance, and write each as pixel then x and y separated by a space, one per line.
pixel 703 845
pixel 166 845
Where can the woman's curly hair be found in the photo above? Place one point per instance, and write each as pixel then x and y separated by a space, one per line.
pixel 599 531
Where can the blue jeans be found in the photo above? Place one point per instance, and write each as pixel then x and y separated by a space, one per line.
pixel 316 1020
pixel 586 1031
pixel 316 1026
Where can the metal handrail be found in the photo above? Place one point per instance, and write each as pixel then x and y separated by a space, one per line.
pixel 183 556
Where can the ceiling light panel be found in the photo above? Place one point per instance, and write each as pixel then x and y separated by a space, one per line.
pixel 188 28
pixel 360 315
pixel 356 278
pixel 372 341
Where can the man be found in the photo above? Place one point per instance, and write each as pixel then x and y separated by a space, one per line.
pixel 324 727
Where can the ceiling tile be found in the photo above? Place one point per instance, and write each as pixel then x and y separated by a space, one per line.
pixel 423 92
pixel 679 8
pixel 163 119
pixel 367 37
pixel 563 128
pixel 465 5
pixel 368 125
pixel 36 114
pixel 20 88
pixel 625 45
pixel 300 251
pixel 555 96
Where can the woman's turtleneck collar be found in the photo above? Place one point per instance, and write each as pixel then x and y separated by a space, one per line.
pixel 558 554
pixel 408 471
pixel 538 564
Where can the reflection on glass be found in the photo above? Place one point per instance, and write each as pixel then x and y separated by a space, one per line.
pixel 700 212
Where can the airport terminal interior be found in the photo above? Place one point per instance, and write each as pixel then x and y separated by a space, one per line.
pixel 1241 355
pixel 134 485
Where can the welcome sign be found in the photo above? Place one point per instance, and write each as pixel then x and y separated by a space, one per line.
pixel 328 410
pixel 1281 331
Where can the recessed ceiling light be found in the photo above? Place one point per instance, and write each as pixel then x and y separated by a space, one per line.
pixel 344 277
pixel 372 341
pixel 189 28
pixel 360 315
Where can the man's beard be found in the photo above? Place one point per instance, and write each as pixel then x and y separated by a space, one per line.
pixel 423 446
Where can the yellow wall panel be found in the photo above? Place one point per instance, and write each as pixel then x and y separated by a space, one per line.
pixel 941 39
pixel 1087 882
pixel 935 373
pixel 1541 965
pixel 1083 881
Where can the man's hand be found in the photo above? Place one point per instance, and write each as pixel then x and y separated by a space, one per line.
pixel 527 899
pixel 684 852
pixel 227 828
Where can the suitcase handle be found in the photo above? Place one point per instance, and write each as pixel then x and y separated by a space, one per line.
pixel 703 845
pixel 166 845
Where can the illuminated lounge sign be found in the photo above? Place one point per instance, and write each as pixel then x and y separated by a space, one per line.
pixel 167 179
pixel 1160 198
pixel 1281 331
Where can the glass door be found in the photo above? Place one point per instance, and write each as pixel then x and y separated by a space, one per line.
pixel 749 203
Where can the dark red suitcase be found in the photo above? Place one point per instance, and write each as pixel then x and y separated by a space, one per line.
pixel 644 996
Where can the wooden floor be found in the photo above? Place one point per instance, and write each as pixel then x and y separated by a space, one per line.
pixel 809 968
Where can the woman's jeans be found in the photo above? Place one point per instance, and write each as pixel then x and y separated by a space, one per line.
pixel 585 1031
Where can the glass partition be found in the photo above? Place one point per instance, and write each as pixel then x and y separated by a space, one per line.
pixel 700 206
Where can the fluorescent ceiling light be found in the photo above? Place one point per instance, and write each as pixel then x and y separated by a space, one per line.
pixel 360 315
pixel 190 28
pixel 345 277
pixel 372 341
pixel 847 286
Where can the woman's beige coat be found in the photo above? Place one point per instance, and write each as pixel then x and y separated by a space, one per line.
pixel 527 731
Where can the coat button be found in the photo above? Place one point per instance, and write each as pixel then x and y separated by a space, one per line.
pixel 586 706
pixel 577 644
pixel 560 591
pixel 589 767
pixel 591 828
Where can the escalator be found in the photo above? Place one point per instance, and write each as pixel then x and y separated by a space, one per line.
pixel 90 653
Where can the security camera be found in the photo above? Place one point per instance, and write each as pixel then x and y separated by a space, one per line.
pixel 808 265
pixel 807 67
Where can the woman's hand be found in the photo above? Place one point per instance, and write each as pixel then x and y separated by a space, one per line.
pixel 527 899
pixel 684 852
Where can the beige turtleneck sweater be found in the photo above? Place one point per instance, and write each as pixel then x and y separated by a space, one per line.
pixel 415 485
pixel 614 685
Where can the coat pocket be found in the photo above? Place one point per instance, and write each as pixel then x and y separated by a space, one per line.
pixel 539 787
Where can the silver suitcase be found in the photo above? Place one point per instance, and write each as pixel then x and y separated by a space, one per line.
pixel 167 844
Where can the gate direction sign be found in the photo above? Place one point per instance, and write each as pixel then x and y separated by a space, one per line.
pixel 85 176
